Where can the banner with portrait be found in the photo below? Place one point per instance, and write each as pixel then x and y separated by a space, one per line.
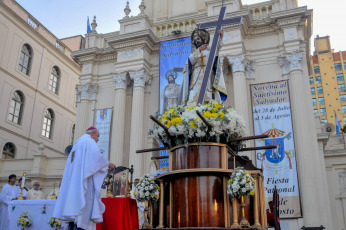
pixel 272 116
pixel 103 124
pixel 173 57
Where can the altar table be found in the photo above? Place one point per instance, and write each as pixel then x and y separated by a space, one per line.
pixel 40 211
pixel 121 214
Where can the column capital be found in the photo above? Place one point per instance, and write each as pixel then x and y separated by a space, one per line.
pixel 120 81
pixel 290 62
pixel 140 78
pixel 86 92
pixel 239 63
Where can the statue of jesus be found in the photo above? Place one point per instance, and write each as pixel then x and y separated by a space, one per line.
pixel 195 68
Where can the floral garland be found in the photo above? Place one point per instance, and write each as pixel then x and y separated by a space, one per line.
pixel 24 220
pixel 161 171
pixel 147 189
pixel 240 184
pixel 54 222
pixel 185 126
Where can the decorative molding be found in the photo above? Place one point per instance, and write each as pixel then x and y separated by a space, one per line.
pixel 140 78
pixel 120 81
pixel 291 62
pixel 86 68
pixel 86 92
pixel 239 63
pixel 130 54
pixel 342 185
pixel 249 70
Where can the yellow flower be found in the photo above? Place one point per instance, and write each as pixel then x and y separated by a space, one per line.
pixel 193 125
pixel 56 222
pixel 20 219
pixel 24 223
pixel 157 197
pixel 247 173
pixel 252 192
pixel 248 179
pixel 229 181
pixel 176 121
pixel 221 115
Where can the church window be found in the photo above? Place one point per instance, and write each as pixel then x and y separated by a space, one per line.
pixel 54 80
pixel 25 59
pixel 16 107
pixel 321 100
pixel 323 112
pixel 8 151
pixel 314 101
pixel 319 90
pixel 340 77
pixel 341 87
pixel 318 80
pixel 317 70
pixel 343 109
pixel 338 67
pixel 311 81
pixel 315 111
pixel 324 121
pixel 48 123
pixel 313 92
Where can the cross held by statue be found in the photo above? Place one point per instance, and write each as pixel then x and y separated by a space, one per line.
pixel 218 26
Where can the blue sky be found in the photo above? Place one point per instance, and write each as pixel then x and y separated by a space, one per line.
pixel 66 18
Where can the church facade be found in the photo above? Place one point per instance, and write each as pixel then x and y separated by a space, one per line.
pixel 120 70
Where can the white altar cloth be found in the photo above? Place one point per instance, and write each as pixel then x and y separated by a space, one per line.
pixel 40 211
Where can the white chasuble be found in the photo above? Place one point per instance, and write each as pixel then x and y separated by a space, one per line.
pixel 79 197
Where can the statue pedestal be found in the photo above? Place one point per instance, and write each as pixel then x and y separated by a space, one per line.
pixel 194 191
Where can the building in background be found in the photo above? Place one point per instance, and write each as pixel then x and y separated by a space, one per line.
pixel 327 81
pixel 37 97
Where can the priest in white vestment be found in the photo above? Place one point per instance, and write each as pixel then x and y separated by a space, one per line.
pixel 35 193
pixel 8 193
pixel 79 200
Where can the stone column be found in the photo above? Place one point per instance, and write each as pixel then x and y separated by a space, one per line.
pixel 140 78
pixel 118 126
pixel 86 94
pixel 240 89
pixel 315 202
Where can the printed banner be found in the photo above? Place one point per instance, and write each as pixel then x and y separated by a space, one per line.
pixel 103 124
pixel 173 57
pixel 272 116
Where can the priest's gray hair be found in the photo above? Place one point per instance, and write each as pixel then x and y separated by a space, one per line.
pixel 90 131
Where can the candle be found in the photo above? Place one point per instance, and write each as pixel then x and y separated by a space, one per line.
pixel 23 180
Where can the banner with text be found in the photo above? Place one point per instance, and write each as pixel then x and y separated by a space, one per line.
pixel 173 56
pixel 272 116
pixel 103 124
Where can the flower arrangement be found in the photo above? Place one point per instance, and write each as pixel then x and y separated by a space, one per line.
pixel 54 222
pixel 24 220
pixel 240 184
pixel 161 171
pixel 147 189
pixel 185 126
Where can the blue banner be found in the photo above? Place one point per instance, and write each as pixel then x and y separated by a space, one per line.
pixel 173 57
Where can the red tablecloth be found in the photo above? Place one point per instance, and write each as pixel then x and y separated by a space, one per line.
pixel 121 214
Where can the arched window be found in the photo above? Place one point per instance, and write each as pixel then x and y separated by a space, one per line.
pixel 72 134
pixel 54 80
pixel 16 107
pixel 8 151
pixel 48 120
pixel 25 59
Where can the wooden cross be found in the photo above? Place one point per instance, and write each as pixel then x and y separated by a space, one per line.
pixel 202 58
pixel 218 26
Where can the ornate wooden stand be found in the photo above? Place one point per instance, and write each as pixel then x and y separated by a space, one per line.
pixel 193 192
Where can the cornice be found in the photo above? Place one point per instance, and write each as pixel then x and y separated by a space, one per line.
pixel 302 11
pixel 94 54
pixel 132 39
